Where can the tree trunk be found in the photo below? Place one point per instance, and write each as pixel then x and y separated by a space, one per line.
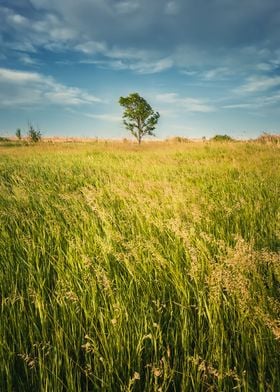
pixel 139 132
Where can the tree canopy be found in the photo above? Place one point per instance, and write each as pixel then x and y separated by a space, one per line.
pixel 138 117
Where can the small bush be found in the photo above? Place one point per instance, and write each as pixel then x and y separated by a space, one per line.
pixel 18 134
pixel 34 135
pixel 222 138
pixel 3 139
pixel 179 139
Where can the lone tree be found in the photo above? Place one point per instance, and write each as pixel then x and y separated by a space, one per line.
pixel 138 117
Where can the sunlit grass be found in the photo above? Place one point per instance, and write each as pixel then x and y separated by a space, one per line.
pixel 151 268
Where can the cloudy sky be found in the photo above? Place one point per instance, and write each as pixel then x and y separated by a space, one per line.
pixel 208 66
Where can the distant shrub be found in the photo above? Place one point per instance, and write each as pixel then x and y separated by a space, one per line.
pixel 34 134
pixel 178 139
pixel 222 138
pixel 3 139
pixel 18 133
pixel 268 138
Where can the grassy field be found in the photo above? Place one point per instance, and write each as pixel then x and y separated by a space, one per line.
pixel 151 268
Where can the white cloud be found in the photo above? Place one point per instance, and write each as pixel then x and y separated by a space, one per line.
pixel 22 46
pixel 29 33
pixel 16 19
pixel 256 84
pixel 128 53
pixel 21 88
pixel 12 76
pixel 216 73
pixel 188 72
pixel 256 102
pixel 62 95
pixel 151 67
pixel 91 47
pixel 27 60
pixel 240 106
pixel 266 67
pixel 186 103
pixel 126 6
pixel 131 62
pixel 106 29
pixel 171 8
pixel 104 117
pixel 139 61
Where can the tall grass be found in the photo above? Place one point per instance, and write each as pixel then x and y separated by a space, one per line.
pixel 152 268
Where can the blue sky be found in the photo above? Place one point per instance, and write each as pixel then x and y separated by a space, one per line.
pixel 207 66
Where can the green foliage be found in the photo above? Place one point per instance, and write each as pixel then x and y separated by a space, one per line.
pixel 34 135
pixel 18 134
pixel 222 138
pixel 139 117
pixel 3 139
pixel 127 270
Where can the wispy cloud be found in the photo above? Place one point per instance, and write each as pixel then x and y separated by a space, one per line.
pixel 126 7
pixel 256 84
pixel 53 33
pixel 91 47
pixel 108 117
pixel 172 8
pixel 161 41
pixel 21 88
pixel 150 67
pixel 256 102
pixel 186 103
pixel 266 67
pixel 137 66
pixel 240 106
pixel 15 76
pixel 139 61
pixel 25 59
pixel 29 33
pixel 216 73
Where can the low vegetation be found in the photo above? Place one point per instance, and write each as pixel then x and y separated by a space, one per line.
pixel 18 134
pixel 3 139
pixel 34 135
pixel 140 268
pixel 268 138
pixel 222 138
pixel 178 139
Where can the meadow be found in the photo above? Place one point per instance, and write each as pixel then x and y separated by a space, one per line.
pixel 139 268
